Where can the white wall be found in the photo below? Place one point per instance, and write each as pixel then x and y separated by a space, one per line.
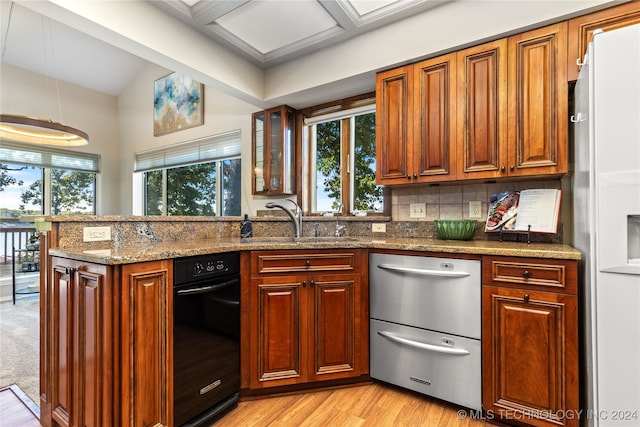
pixel 223 113
pixel 29 94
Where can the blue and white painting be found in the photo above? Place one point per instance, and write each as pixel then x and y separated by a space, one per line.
pixel 177 104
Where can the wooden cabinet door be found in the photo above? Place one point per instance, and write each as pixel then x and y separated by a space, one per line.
pixel 434 119
pixel 394 126
pixel 94 347
pixel 334 347
pixel 278 333
pixel 64 412
pixel 538 140
pixel 82 345
pixel 581 31
pixel 482 111
pixel 146 334
pixel 530 355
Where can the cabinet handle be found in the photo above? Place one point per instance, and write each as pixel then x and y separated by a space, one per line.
pixel 526 274
pixel 304 283
pixel 502 169
pixel 312 283
pixel 526 298
pixel 512 168
pixel 69 270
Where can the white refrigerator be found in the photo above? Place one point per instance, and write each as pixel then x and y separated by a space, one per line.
pixel 606 191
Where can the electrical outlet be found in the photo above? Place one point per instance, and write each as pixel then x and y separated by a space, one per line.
pixel 475 209
pixel 96 234
pixel 379 227
pixel 417 210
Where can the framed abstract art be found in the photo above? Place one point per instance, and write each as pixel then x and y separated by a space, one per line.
pixel 178 103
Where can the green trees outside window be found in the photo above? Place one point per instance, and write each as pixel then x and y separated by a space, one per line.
pixel 344 154
pixel 195 190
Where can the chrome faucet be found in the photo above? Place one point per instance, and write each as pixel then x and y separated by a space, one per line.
pixel 339 228
pixel 296 217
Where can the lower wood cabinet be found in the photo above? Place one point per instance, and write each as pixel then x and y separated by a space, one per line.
pixel 106 347
pixel 530 341
pixel 306 318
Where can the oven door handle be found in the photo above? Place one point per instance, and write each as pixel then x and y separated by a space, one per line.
pixel 423 271
pixel 203 289
pixel 423 345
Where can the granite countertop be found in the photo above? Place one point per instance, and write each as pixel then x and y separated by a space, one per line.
pixel 114 255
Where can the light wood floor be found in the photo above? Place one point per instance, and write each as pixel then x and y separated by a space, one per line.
pixel 375 404
pixel 16 410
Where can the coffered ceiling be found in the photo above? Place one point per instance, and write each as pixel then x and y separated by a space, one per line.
pixel 269 32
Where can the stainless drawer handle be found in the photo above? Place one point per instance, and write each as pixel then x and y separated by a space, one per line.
pixel 423 271
pixel 423 345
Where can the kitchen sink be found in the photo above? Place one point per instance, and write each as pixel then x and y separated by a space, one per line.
pixel 300 240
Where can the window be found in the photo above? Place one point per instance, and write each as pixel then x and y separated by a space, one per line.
pixel 38 179
pixel 197 178
pixel 342 161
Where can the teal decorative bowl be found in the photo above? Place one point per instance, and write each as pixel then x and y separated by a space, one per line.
pixel 456 229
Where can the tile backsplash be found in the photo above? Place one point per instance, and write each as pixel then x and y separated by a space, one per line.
pixel 452 201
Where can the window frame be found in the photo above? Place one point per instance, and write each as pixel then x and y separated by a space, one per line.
pixel 219 164
pixel 48 158
pixel 305 153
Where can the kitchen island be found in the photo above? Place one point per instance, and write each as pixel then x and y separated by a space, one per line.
pixel 107 312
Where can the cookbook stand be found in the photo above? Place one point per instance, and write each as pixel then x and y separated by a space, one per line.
pixel 518 234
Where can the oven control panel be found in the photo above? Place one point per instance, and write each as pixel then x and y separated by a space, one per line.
pixel 201 267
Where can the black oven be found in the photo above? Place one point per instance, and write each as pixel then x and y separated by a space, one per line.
pixel 206 337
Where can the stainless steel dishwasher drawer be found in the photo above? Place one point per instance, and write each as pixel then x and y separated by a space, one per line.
pixel 433 363
pixel 439 294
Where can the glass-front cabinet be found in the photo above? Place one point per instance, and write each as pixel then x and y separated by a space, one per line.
pixel 274 151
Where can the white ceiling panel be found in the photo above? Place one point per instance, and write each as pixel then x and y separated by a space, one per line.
pixel 270 25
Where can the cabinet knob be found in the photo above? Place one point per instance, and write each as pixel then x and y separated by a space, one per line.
pixel 408 176
pixel 526 298
pixel 512 168
pixel 415 176
pixel 312 283
pixel 502 169
pixel 304 283
pixel 526 274
pixel 308 263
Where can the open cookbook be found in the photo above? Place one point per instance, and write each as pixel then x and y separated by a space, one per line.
pixel 535 210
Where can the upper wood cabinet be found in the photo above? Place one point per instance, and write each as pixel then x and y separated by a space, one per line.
pixel 482 110
pixel 512 113
pixel 273 154
pixel 581 31
pixel 494 110
pixel 416 122
pixel 538 102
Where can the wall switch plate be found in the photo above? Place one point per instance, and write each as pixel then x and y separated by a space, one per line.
pixel 417 210
pixel 475 209
pixel 379 227
pixel 96 234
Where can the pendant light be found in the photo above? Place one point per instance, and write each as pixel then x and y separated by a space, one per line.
pixel 19 128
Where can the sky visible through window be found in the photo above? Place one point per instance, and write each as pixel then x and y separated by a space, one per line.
pixel 10 196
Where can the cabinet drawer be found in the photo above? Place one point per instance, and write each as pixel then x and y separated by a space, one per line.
pixel 543 274
pixel 290 261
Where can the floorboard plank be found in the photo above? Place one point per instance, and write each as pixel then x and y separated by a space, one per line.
pixel 377 404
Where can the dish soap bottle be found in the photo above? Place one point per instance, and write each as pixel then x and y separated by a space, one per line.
pixel 246 228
